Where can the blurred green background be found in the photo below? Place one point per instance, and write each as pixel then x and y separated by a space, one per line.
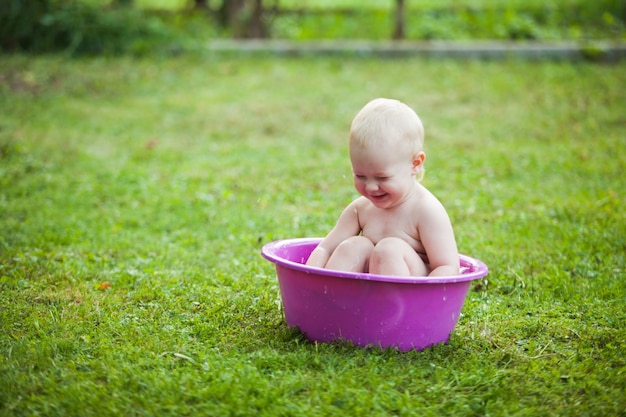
pixel 143 26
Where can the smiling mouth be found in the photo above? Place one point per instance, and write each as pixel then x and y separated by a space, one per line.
pixel 378 197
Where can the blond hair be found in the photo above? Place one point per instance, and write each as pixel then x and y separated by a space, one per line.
pixel 388 122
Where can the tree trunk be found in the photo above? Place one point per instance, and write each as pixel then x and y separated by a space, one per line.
pixel 200 4
pixel 244 17
pixel 398 32
pixel 228 12
pixel 256 26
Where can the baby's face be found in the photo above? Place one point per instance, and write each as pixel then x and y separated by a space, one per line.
pixel 383 175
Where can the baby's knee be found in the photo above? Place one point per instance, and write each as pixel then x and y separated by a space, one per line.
pixel 390 246
pixel 352 254
pixel 359 243
pixel 394 256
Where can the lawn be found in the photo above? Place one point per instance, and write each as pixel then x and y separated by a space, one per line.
pixel 136 194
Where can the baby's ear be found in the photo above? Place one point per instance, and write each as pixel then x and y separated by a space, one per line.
pixel 418 160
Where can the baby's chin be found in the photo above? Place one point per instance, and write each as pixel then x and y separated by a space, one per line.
pixel 386 201
pixel 382 201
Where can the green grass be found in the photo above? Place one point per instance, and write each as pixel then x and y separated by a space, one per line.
pixel 165 178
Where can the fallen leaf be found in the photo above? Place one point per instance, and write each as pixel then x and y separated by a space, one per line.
pixel 104 285
pixel 150 144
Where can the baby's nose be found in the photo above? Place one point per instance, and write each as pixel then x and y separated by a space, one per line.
pixel 371 185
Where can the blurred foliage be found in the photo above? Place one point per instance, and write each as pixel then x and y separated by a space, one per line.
pixel 425 20
pixel 78 28
pixel 105 27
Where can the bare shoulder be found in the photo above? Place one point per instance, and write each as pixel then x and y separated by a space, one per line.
pixel 358 205
pixel 361 203
pixel 358 208
pixel 355 209
pixel 428 204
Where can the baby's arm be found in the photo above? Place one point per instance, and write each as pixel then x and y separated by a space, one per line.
pixel 346 227
pixel 437 236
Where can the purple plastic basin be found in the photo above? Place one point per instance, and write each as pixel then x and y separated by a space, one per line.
pixel 367 309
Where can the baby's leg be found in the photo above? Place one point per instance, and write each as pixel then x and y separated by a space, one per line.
pixel 352 255
pixel 393 256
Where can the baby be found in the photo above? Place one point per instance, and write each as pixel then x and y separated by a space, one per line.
pixel 397 227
